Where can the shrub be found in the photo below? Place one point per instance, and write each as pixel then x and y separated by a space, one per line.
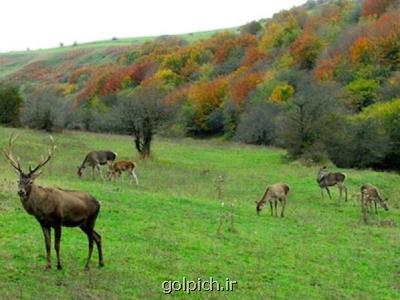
pixel 312 115
pixel 258 124
pixel 45 110
pixel 358 144
pixel 10 104
pixel 252 27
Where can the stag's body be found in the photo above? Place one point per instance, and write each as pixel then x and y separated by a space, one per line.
pixel 123 166
pixel 56 207
pixel 274 193
pixel 326 179
pixel 95 159
pixel 369 194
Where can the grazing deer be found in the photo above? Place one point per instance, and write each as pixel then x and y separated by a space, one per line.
pixel 96 158
pixel 369 194
pixel 274 193
pixel 56 207
pixel 326 179
pixel 121 166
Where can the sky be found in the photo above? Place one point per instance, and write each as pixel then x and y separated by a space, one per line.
pixel 38 24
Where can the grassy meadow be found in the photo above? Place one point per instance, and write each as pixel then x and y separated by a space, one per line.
pixel 166 227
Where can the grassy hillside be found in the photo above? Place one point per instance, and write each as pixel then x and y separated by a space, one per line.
pixel 14 61
pixel 165 228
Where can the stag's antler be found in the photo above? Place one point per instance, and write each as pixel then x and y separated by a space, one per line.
pixel 46 160
pixel 14 163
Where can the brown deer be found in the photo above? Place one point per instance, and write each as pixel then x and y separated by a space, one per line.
pixel 274 193
pixel 96 158
pixel 56 207
pixel 326 179
pixel 369 194
pixel 123 166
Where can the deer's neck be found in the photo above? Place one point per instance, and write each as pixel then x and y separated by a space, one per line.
pixel 30 200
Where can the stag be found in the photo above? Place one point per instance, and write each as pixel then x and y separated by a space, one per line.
pixel 96 158
pixel 326 179
pixel 123 166
pixel 56 207
pixel 369 194
pixel 274 193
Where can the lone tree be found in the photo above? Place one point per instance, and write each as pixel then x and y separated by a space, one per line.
pixel 10 105
pixel 142 113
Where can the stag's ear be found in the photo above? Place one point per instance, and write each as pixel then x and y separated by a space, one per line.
pixel 36 175
pixel 17 172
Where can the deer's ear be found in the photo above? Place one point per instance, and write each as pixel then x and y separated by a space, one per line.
pixel 255 202
pixel 36 175
pixel 17 172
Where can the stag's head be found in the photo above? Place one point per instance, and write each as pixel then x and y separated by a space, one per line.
pixel 26 179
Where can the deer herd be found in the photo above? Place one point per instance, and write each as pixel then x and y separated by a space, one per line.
pixel 54 207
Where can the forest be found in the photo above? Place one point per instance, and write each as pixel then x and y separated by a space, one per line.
pixel 321 80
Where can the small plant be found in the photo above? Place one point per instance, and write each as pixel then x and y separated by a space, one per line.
pixel 227 216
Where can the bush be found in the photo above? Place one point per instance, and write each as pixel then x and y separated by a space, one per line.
pixel 45 110
pixel 252 28
pixel 258 124
pixel 311 117
pixel 358 144
pixel 10 104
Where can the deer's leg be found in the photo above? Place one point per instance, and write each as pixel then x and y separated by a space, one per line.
pixel 99 171
pixel 57 235
pixel 329 193
pixel 47 240
pixel 93 171
pixel 322 193
pixel 272 208
pixel 88 229
pixel 97 239
pixel 134 176
pixel 376 208
pixel 340 191
pixel 276 207
pixel 342 188
pixel 283 207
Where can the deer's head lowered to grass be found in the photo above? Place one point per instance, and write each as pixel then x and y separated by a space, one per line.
pixel 56 207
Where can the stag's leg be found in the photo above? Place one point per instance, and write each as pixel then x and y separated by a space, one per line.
pixel 57 235
pixel 322 193
pixel 97 239
pixel 376 208
pixel 272 208
pixel 93 172
pixel 134 176
pixel 276 207
pixel 47 240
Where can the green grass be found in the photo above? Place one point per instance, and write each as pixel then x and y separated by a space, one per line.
pixel 165 228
